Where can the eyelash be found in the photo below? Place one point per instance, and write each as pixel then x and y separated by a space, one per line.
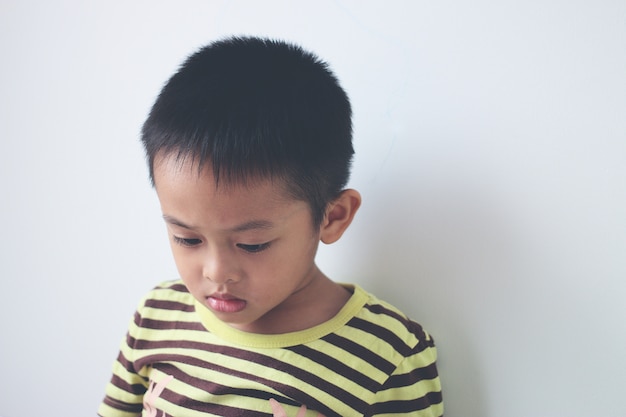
pixel 187 242
pixel 248 248
pixel 254 248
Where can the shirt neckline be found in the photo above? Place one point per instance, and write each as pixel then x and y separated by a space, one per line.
pixel 254 340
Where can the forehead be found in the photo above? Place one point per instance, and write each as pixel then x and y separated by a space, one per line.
pixel 187 191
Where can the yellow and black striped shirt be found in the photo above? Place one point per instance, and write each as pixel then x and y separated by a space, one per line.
pixel 178 360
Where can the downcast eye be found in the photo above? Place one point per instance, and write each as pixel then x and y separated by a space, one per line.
pixel 186 241
pixel 253 248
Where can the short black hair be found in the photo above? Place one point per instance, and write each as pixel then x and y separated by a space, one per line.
pixel 257 108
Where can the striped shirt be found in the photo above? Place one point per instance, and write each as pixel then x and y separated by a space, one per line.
pixel 178 360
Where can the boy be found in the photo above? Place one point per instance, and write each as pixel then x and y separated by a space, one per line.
pixel 249 146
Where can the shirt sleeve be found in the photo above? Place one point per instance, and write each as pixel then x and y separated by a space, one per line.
pixel 124 392
pixel 414 388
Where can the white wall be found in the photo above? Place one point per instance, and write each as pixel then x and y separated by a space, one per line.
pixel 491 154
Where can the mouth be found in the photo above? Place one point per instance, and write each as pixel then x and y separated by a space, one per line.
pixel 225 303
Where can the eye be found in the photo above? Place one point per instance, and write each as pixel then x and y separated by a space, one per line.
pixel 187 241
pixel 254 248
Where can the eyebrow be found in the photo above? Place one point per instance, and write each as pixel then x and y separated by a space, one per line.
pixel 176 222
pixel 251 225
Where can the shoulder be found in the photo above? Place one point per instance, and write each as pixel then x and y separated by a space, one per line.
pixel 174 289
pixel 168 295
pixel 391 326
pixel 168 306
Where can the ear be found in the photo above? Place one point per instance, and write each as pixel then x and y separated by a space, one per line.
pixel 339 215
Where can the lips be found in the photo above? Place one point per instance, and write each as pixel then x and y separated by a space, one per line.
pixel 225 303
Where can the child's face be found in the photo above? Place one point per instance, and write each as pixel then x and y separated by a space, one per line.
pixel 247 253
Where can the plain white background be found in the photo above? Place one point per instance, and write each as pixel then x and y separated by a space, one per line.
pixel 491 155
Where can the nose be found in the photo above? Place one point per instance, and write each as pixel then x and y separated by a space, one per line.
pixel 220 267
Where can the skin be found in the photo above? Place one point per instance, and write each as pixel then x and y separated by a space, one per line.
pixel 279 411
pixel 248 252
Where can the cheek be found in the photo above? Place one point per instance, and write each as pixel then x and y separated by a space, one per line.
pixel 187 264
pixel 308 249
pixel 296 256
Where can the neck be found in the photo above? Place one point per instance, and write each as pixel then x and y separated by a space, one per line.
pixel 315 303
